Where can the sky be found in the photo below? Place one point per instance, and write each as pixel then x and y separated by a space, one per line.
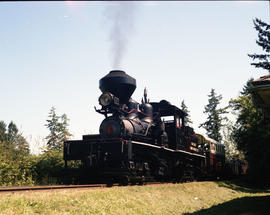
pixel 54 53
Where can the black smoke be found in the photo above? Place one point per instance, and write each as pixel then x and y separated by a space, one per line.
pixel 121 19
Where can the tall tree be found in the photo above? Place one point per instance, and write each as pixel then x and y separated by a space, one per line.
pixel 3 129
pixel 58 126
pixel 252 135
pixel 17 139
pixel 185 109
pixel 229 143
pixel 264 42
pixel 12 139
pixel 12 133
pixel 214 120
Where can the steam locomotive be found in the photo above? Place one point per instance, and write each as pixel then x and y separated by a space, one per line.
pixel 141 141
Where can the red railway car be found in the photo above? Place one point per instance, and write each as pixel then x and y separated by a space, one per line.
pixel 214 156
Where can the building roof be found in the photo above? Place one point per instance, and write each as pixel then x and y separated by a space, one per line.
pixel 262 80
pixel 261 90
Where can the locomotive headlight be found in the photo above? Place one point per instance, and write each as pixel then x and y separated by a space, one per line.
pixel 105 99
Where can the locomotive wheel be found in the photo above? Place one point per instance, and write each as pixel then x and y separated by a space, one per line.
pixel 141 181
pixel 125 181
pixel 109 184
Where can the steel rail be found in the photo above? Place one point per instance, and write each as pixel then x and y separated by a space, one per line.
pixel 64 187
pixel 51 187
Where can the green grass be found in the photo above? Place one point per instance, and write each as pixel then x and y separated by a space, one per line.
pixel 189 198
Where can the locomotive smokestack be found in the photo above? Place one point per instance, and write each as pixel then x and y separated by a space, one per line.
pixel 119 84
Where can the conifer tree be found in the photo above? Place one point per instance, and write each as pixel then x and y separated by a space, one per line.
pixel 185 109
pixel 17 139
pixel 264 42
pixel 228 140
pixel 213 124
pixel 12 139
pixel 3 136
pixel 58 126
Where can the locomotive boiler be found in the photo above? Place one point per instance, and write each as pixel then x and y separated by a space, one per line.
pixel 137 141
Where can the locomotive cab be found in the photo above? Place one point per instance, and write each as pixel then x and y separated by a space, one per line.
pixel 174 123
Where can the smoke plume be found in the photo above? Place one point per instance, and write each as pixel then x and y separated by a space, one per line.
pixel 121 18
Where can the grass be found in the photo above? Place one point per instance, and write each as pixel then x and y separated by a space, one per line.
pixel 188 199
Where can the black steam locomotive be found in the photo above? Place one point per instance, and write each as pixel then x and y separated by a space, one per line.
pixel 141 141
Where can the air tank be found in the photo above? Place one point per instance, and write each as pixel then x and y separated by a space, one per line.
pixel 119 84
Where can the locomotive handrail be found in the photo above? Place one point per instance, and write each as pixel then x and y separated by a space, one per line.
pixel 137 111
pixel 167 149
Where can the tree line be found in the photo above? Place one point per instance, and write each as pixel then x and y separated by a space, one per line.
pixel 248 136
pixel 19 167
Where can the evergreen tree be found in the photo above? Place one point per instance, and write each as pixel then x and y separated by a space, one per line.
pixel 12 139
pixel 230 145
pixel 264 42
pixel 252 136
pixel 214 120
pixel 12 133
pixel 185 109
pixel 58 126
pixel 3 129
pixel 17 139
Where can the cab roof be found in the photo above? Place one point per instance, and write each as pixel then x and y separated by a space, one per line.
pixel 165 108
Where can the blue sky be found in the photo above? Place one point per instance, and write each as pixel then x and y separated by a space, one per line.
pixel 54 53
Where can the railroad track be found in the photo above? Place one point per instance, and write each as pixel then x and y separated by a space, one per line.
pixel 59 187
pixel 53 187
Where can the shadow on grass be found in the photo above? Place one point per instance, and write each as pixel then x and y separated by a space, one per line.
pixel 240 206
pixel 242 186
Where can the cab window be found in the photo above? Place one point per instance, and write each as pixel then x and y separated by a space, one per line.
pixel 178 122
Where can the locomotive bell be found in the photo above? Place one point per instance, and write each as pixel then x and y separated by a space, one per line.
pixel 119 84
